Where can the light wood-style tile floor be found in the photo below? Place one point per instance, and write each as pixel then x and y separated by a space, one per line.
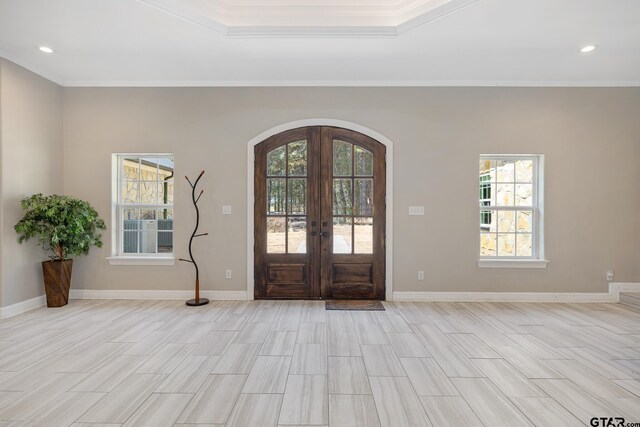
pixel 291 363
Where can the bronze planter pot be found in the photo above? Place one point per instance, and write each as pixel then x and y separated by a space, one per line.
pixel 57 281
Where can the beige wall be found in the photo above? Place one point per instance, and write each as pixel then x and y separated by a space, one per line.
pixel 590 137
pixel 31 155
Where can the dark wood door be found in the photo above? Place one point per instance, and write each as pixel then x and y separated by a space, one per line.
pixel 319 215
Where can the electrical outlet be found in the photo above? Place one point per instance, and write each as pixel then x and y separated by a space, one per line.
pixel 227 274
pixel 416 210
pixel 420 275
pixel 610 275
pixel 226 210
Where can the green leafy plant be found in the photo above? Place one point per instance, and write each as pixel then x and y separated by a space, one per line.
pixel 63 224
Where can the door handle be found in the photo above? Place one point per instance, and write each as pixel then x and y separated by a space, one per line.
pixel 325 234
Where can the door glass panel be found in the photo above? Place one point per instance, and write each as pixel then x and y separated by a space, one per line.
pixel 298 158
pixel 297 235
pixel 342 196
pixel 276 192
pixel 276 235
pixel 341 158
pixel 363 196
pixel 342 235
pixel 363 162
pixel 363 234
pixel 276 162
pixel 297 200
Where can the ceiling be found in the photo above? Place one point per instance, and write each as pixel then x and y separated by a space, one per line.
pixel 325 42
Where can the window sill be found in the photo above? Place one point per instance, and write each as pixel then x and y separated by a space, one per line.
pixel 136 260
pixel 513 263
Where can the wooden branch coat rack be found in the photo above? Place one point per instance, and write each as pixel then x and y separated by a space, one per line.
pixel 197 300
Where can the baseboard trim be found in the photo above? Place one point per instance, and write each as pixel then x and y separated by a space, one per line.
pixel 503 297
pixel 155 294
pixel 615 288
pixel 22 307
pixel 612 296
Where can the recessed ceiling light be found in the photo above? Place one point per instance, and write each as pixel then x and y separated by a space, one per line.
pixel 45 49
pixel 588 48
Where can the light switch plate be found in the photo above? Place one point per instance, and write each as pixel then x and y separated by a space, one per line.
pixel 416 210
pixel 226 210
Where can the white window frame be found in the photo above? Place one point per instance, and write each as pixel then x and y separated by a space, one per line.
pixel 117 256
pixel 537 260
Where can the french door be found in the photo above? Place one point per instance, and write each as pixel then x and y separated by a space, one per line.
pixel 319 215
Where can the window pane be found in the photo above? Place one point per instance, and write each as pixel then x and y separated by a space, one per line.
pixel 147 214
pixel 487 244
pixel 130 217
pixel 276 193
pixel 342 235
pixel 275 235
pixel 165 230
pixel 130 227
pixel 363 161
pixel 276 162
pixel 506 221
pixel 525 219
pixel 524 170
pixel 506 244
pixel 524 195
pixel 341 158
pixel 505 170
pixel 342 197
pixel 525 246
pixel 149 237
pixel 297 196
pixel 486 218
pixel 363 234
pixel 165 241
pixel 129 242
pixel 166 192
pixel 129 192
pixel 487 190
pixel 131 168
pixel 297 235
pixel 363 196
pixel 149 169
pixel 149 192
pixel 487 167
pixel 298 158
pixel 505 196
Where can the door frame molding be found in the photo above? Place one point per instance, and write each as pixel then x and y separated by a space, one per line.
pixel 389 191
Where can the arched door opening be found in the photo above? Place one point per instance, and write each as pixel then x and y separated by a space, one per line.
pixel 319 215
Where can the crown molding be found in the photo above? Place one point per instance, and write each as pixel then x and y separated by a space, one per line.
pixel 350 83
pixel 403 15
pixel 26 65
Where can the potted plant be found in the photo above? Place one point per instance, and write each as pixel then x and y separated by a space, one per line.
pixel 65 225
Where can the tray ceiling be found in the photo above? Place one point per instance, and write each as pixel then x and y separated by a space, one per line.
pixel 304 17
pixel 317 43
